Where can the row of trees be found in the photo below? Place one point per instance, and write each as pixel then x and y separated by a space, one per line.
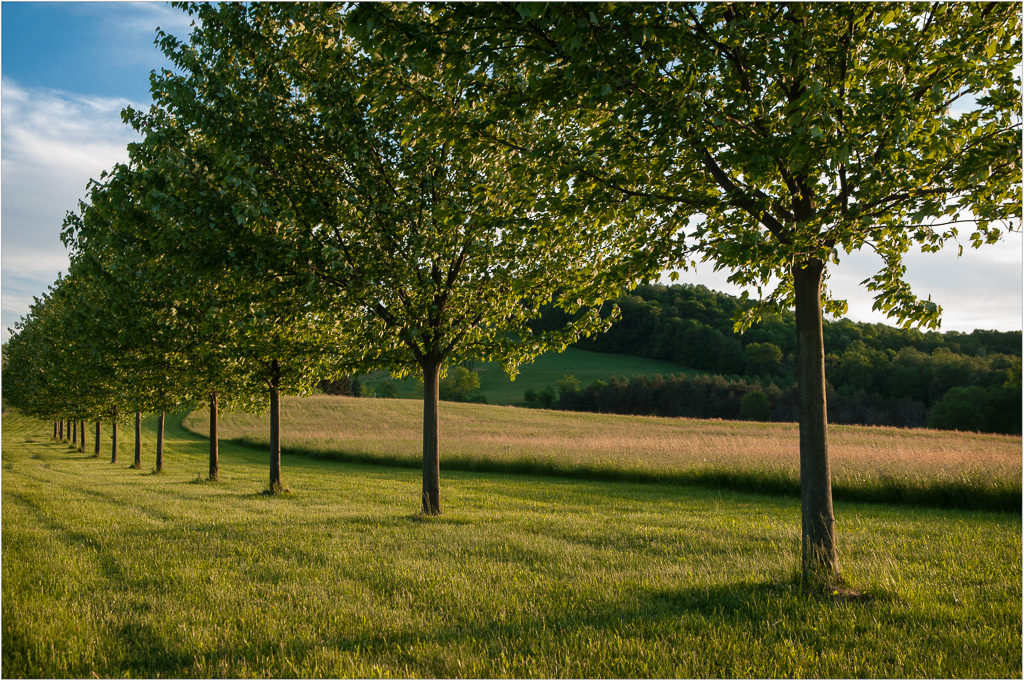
pixel 993 408
pixel 292 214
pixel 646 309
pixel 405 186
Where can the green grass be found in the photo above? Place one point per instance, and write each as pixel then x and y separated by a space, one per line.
pixel 918 467
pixel 548 369
pixel 110 572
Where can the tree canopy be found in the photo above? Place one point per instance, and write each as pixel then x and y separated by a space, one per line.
pixel 794 133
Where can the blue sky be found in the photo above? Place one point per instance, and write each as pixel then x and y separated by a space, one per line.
pixel 68 68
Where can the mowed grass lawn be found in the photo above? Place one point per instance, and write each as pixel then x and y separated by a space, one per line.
pixel 110 571
pixel 940 468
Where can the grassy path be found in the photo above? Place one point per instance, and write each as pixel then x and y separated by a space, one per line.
pixel 113 572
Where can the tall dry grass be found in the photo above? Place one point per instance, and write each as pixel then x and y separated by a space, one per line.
pixel 869 463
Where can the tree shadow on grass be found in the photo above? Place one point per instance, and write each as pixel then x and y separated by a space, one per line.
pixel 656 616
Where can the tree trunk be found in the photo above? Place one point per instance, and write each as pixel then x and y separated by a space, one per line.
pixel 81 441
pixel 820 557
pixel 138 440
pixel 97 446
pixel 61 429
pixel 160 443
pixel 74 431
pixel 275 427
pixel 113 439
pixel 54 430
pixel 214 454
pixel 431 454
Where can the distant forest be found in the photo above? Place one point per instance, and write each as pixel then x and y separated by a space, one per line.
pixel 877 374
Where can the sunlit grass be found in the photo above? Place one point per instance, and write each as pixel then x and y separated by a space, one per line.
pixel 940 468
pixel 109 571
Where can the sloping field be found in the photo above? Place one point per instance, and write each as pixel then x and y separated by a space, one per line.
pixel 547 369
pixel 113 572
pixel 938 468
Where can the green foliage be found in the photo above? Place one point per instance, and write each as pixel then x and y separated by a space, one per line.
pixel 459 384
pixel 546 398
pixel 762 359
pixel 873 367
pixel 755 406
pixel 568 384
pixel 387 388
pixel 798 133
pixel 974 408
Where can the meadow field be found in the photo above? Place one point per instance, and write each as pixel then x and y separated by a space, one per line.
pixel 938 468
pixel 547 370
pixel 109 571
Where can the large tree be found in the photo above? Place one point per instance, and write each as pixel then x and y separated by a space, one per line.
pixel 342 167
pixel 795 132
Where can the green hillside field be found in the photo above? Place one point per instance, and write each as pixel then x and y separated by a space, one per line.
pixel 109 571
pixel 547 369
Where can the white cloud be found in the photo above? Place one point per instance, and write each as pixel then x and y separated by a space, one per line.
pixel 983 289
pixel 52 144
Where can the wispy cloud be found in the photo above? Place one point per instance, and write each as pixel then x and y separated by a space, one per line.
pixel 52 144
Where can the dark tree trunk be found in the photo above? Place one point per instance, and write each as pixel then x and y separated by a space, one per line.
pixel 97 446
pixel 113 439
pixel 431 453
pixel 138 440
pixel 214 454
pixel 160 442
pixel 74 432
pixel 81 441
pixel 61 429
pixel 820 557
pixel 275 426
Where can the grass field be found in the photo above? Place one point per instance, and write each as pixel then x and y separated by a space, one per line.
pixel 546 371
pixel 109 571
pixel 938 468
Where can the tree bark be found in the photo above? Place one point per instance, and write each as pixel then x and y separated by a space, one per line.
pixel 431 453
pixel 61 431
pixel 81 441
pixel 138 440
pixel 74 431
pixel 113 439
pixel 160 443
pixel 97 446
pixel 214 454
pixel 275 427
pixel 820 558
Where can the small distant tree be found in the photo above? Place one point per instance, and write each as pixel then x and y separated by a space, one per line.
pixel 388 388
pixel 755 406
pixel 459 384
pixel 568 384
pixel 962 408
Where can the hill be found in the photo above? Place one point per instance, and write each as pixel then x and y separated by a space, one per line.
pixel 546 371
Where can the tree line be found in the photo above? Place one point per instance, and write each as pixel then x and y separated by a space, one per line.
pixel 995 408
pixel 321 190
pixel 877 374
